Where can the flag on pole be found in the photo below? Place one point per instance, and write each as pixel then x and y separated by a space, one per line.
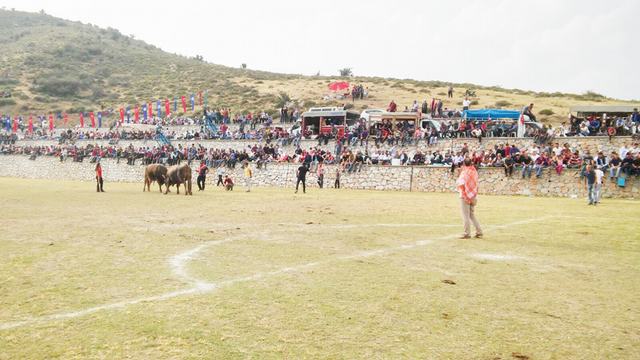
pixel 93 119
pixel 136 114
pixel 206 97
pixel 175 105
pixel 184 103
pixel 99 119
pixel 521 128
pixel 81 120
pixel 50 122
pixel 121 115
pixel 159 108
pixel 167 107
pixel 128 112
pixel 15 125
pixel 7 122
pixel 66 118
pixel 200 98
pixel 144 112
pixel 150 110
pixel 30 124
pixel 193 102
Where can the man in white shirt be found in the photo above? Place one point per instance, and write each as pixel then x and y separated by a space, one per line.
pixel 598 185
pixel 465 104
pixel 623 151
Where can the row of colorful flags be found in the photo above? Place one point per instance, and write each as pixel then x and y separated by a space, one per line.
pixel 127 114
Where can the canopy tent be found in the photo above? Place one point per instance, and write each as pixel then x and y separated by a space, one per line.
pixel 338 85
pixel 493 114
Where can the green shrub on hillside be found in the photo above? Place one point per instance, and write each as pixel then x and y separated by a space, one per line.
pixel 546 112
pixel 502 103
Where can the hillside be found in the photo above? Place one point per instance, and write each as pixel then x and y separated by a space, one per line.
pixel 54 65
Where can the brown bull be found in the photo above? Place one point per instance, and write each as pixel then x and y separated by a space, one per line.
pixel 154 172
pixel 179 174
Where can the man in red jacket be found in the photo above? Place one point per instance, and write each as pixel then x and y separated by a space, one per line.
pixel 99 180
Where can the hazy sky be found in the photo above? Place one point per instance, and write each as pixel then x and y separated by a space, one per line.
pixel 545 45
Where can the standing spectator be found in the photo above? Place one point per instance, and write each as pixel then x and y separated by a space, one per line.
pixel 248 174
pixel 320 172
pixel 301 175
pixel 450 92
pixel 466 103
pixel 468 186
pixel 598 185
pixel 99 179
pixel 220 172
pixel 336 184
pixel 589 183
pixel 202 175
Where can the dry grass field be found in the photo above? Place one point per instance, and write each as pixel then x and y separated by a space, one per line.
pixel 333 274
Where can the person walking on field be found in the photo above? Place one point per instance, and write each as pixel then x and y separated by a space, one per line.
pixel 248 174
pixel 202 175
pixel 99 180
pixel 220 172
pixel 468 186
pixel 302 178
pixel 320 173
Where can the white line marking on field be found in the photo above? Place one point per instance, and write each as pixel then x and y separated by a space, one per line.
pixel 178 266
pixel 496 257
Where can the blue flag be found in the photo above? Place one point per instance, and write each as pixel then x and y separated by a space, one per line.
pixel 99 119
pixel 175 105
pixel 159 115
pixel 144 112
pixel 193 102
pixel 7 122
pixel 128 114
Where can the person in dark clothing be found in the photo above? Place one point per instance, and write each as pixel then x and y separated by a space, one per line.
pixel 302 178
pixel 508 165
pixel 202 175
pixel 589 184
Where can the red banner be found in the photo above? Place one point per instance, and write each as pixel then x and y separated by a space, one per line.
pixel 167 107
pixel 93 119
pixel 184 104
pixel 50 122
pixel 30 124
pixel 66 118
pixel 15 124
pixel 121 115
pixel 150 111
pixel 200 98
pixel 81 119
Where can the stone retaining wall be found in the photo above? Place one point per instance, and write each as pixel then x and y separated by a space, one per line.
pixel 399 178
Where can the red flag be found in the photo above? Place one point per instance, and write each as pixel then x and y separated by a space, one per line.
pixel 121 115
pixel 30 124
pixel 93 119
pixel 15 124
pixel 150 107
pixel 184 104
pixel 81 120
pixel 50 122
pixel 66 118
pixel 200 98
pixel 167 107
pixel 136 114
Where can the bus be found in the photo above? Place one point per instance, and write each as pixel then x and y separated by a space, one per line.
pixel 322 120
